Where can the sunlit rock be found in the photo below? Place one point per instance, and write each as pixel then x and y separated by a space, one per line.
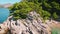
pixel 31 25
pixel 3 29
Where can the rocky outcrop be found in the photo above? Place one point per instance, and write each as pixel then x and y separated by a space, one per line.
pixel 31 25
pixel 3 29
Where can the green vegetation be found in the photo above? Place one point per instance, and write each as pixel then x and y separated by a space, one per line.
pixel 46 8
pixel 55 31
pixel 55 15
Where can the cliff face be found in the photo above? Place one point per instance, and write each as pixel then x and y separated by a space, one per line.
pixel 31 25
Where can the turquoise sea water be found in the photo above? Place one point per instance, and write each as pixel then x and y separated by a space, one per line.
pixel 4 13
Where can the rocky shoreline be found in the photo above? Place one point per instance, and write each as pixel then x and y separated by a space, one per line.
pixel 31 25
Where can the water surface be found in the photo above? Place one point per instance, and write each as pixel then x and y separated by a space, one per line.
pixel 4 13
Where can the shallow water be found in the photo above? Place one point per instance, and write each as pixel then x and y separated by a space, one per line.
pixel 4 13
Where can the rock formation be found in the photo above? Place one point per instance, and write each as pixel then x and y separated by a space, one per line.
pixel 3 29
pixel 31 25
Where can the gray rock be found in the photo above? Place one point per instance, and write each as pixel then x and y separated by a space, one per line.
pixel 31 25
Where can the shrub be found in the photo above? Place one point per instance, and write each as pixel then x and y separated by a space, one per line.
pixel 55 16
